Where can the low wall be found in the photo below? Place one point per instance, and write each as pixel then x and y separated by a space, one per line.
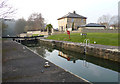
pixel 38 32
pixel 89 31
pixel 58 32
pixel 108 54
pixel 23 35
pixel 43 33
pixel 99 30
pixel 33 32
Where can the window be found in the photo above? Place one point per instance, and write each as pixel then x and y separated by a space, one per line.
pixel 72 20
pixel 81 20
pixel 61 28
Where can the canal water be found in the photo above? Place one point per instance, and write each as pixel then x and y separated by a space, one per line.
pixel 88 67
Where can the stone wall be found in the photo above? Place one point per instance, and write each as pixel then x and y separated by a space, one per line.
pixel 23 35
pixel 37 32
pixel 98 30
pixel 105 53
pixel 80 30
pixel 43 33
pixel 30 33
pixel 58 32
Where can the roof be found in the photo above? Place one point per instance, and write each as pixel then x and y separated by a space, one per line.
pixel 72 15
pixel 94 25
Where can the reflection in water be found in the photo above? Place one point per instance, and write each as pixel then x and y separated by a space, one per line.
pixel 85 63
pixel 89 67
pixel 87 58
pixel 69 58
pixel 74 59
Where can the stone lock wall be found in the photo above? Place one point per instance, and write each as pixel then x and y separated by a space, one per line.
pixel 104 53
pixel 73 47
pixel 109 54
pixel 76 47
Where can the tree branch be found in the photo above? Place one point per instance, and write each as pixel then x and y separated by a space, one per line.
pixel 5 9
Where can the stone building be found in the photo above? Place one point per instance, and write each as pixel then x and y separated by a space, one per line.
pixel 71 20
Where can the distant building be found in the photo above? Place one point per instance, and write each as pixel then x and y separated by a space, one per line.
pixel 105 24
pixel 111 27
pixel 10 27
pixel 7 20
pixel 69 19
pixel 93 26
pixel 114 26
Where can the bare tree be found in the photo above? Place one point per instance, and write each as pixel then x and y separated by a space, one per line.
pixel 26 28
pixel 105 19
pixel 36 22
pixel 5 9
pixel 114 21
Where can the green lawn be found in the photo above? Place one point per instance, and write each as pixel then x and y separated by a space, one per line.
pixel 100 38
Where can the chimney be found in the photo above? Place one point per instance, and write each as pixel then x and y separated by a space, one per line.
pixel 74 12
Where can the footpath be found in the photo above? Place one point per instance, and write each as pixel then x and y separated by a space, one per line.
pixel 19 64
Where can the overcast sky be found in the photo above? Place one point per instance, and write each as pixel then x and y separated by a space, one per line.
pixel 51 10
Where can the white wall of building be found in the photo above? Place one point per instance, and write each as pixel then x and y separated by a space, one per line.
pixel 94 27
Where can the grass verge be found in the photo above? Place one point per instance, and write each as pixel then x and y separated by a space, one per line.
pixel 100 38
